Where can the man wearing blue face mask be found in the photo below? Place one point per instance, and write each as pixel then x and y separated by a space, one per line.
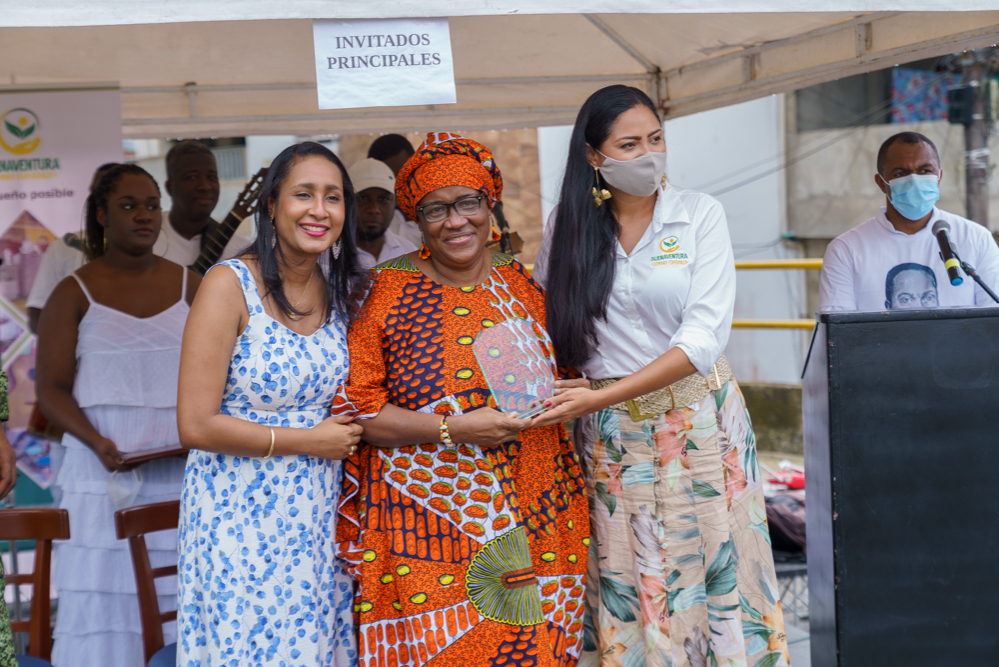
pixel 871 266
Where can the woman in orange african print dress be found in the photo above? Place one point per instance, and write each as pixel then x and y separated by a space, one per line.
pixel 472 553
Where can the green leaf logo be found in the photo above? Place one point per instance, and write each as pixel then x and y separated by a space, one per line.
pixel 18 131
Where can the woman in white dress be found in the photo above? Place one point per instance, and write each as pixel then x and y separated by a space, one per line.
pixel 108 358
pixel 265 353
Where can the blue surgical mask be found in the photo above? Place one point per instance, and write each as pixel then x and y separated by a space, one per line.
pixel 914 195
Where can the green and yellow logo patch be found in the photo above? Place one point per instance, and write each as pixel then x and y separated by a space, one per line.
pixel 669 244
pixel 19 131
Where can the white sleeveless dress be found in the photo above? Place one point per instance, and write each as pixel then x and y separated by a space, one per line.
pixel 126 384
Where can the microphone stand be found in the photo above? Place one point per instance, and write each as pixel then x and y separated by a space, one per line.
pixel 970 270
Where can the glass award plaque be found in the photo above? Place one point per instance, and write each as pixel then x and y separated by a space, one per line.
pixel 517 362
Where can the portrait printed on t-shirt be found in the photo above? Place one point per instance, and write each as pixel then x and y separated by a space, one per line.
pixel 911 285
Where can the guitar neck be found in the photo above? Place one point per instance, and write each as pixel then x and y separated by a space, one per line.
pixel 215 244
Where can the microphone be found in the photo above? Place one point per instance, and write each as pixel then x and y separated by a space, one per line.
pixel 940 229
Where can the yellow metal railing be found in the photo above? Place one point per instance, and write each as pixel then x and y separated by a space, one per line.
pixel 807 264
pixel 813 264
pixel 773 324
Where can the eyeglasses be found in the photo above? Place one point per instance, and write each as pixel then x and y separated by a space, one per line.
pixel 464 206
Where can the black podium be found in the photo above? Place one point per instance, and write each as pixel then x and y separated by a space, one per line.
pixel 901 421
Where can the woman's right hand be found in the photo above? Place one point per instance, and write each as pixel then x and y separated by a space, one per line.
pixel 108 454
pixel 336 437
pixel 485 427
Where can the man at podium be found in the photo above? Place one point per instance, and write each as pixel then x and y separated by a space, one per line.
pixel 893 260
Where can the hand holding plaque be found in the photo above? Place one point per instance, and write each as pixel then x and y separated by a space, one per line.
pixel 517 362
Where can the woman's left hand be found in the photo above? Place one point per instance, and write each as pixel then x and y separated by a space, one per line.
pixel 562 385
pixel 570 404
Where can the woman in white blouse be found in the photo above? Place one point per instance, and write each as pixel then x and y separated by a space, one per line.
pixel 640 283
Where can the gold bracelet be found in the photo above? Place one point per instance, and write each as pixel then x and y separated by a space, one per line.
pixel 445 433
pixel 271 450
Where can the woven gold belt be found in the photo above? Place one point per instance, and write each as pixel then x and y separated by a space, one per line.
pixel 680 394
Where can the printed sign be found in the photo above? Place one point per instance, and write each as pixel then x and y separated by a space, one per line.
pixel 50 144
pixel 383 63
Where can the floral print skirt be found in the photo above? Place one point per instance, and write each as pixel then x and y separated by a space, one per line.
pixel 681 571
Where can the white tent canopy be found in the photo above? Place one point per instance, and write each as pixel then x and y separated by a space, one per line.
pixel 240 67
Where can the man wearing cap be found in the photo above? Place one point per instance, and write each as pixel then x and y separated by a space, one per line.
pixel 374 185
pixel 892 261
pixel 394 150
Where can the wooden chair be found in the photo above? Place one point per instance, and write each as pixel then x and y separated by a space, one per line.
pixel 133 524
pixel 42 525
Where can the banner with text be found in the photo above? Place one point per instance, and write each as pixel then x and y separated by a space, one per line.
pixel 51 142
pixel 383 63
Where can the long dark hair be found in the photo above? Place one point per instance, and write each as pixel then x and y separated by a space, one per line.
pixel 581 255
pixel 94 238
pixel 343 274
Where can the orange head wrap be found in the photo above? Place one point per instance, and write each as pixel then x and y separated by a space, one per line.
pixel 443 160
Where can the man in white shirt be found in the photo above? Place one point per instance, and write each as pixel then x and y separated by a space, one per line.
pixel 394 150
pixel 374 188
pixel 61 258
pixel 193 184
pixel 893 261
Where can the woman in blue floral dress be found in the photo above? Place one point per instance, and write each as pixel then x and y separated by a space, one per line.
pixel 264 353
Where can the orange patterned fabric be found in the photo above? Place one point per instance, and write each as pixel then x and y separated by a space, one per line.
pixel 445 159
pixel 463 555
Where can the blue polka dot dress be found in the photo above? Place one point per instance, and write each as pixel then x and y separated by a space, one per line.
pixel 259 584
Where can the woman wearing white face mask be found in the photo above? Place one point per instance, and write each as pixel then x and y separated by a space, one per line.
pixel 640 283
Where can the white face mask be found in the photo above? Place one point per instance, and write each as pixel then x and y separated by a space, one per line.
pixel 639 177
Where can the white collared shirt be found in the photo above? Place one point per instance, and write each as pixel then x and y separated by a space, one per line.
pixel 875 267
pixel 179 250
pixel 675 289
pixel 405 229
pixel 59 260
pixel 392 248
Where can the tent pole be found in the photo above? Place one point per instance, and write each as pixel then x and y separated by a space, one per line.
pixel 650 67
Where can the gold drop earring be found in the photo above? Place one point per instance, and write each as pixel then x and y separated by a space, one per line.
pixel 600 195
